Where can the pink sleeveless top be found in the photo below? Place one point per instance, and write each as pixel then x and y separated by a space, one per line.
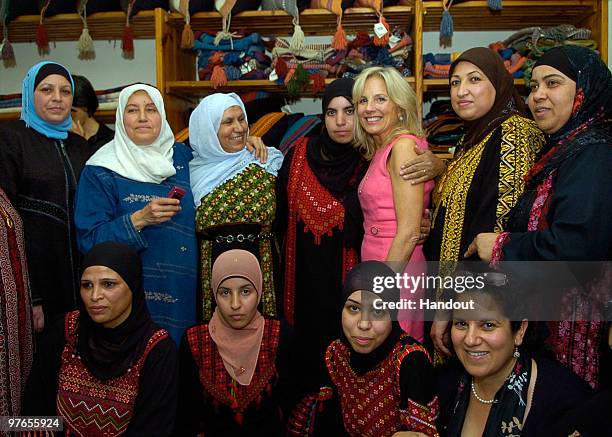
pixel 380 222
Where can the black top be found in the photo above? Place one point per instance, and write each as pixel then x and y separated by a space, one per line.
pixel 39 176
pixel 154 407
pixel 103 136
pixel 557 390
pixel 198 412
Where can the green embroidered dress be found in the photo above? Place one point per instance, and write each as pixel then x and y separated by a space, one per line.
pixel 238 214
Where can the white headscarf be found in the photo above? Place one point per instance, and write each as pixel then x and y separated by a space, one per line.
pixel 211 165
pixel 152 163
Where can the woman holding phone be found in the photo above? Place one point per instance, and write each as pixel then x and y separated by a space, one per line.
pixel 136 190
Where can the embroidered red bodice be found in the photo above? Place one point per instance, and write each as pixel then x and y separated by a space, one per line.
pixel 312 204
pixel 371 403
pixel 94 408
pixel 218 384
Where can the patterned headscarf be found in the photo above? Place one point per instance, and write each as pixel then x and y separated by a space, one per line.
pixel 590 123
pixel 57 131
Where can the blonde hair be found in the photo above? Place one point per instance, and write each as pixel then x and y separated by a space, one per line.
pixel 401 93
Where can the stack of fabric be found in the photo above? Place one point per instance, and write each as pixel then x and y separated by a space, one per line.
pixel 444 128
pixel 437 66
pixel 318 62
pixel 238 58
pixel 532 42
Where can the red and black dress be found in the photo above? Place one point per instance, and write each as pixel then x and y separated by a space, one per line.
pixel 373 395
pixel 212 403
pixel 320 222
pixel 141 401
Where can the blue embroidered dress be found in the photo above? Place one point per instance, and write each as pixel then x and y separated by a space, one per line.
pixel 105 201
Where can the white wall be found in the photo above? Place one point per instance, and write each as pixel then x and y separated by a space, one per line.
pixel 107 70
pixel 110 69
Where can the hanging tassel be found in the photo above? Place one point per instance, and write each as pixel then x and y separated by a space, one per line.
pixel 289 76
pixel 85 45
pixel 187 37
pixel 218 77
pixel 318 83
pixel 297 40
pixel 127 39
pixel 42 36
pixel 280 66
pixel 298 80
pixel 339 41
pixel 7 54
pixel 495 5
pixel 446 29
pixel 384 40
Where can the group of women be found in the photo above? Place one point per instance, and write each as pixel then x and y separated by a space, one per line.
pixel 251 262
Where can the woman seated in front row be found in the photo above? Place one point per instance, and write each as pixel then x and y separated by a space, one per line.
pixel 381 380
pixel 502 389
pixel 230 367
pixel 108 370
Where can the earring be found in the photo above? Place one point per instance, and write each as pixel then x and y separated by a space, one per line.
pixel 516 352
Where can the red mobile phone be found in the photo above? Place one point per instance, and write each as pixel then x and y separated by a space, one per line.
pixel 176 193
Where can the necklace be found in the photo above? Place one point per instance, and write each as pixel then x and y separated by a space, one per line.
pixel 484 401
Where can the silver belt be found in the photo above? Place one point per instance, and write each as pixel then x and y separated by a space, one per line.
pixel 240 238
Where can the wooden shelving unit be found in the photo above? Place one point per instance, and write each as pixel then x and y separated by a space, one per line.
pixel 312 21
pixel 176 71
pixel 68 27
pixel 517 14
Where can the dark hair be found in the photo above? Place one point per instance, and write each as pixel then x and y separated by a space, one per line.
pixel 84 95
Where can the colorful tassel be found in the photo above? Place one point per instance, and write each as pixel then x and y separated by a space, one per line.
pixel 42 36
pixel 297 82
pixel 289 76
pixel 187 37
pixel 446 29
pixel 297 40
pixel 218 77
pixel 339 41
pixel 318 83
pixel 127 39
pixel 280 66
pixel 495 5
pixel 384 40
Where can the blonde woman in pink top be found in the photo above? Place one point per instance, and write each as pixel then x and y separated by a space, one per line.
pixel 388 134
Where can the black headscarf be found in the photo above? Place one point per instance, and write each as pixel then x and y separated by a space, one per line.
pixel 507 102
pixel 589 124
pixel 339 167
pixel 361 277
pixel 109 352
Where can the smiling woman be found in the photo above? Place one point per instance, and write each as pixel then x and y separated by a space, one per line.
pixel 123 196
pixel 234 193
pixel 372 352
pixel 501 388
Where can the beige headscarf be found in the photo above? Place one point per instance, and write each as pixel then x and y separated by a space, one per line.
pixel 239 348
pixel 152 163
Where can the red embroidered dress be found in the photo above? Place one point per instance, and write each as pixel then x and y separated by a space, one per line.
pixel 94 408
pixel 215 380
pixel 371 403
pixel 320 212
